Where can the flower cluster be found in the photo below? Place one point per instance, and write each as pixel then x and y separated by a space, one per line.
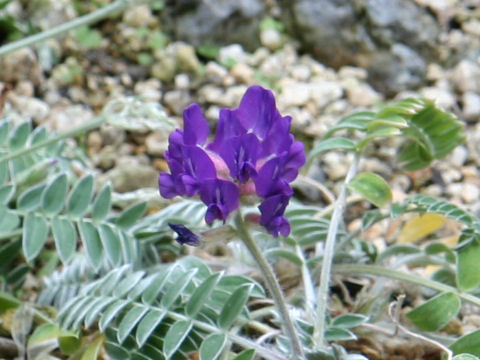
pixel 253 153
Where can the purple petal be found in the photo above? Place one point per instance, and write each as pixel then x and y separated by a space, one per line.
pixel 185 235
pixel 240 155
pixel 221 197
pixel 198 164
pixel 167 187
pixel 268 180
pixel 257 111
pixel 228 127
pixel 278 139
pixel 272 218
pixel 195 125
pixel 294 160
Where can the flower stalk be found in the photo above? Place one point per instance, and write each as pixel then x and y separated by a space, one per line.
pixel 328 253
pixel 272 285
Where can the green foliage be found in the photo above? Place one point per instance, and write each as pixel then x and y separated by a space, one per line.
pixel 429 133
pixel 88 38
pixel 168 301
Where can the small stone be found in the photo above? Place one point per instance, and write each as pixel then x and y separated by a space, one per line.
pixel 30 108
pixel 129 175
pixel 243 73
pixel 470 193
pixel 232 52
pixel 215 72
pixel 186 57
pixel 346 72
pixel 325 92
pixel 20 65
pixel 156 144
pixel 442 97
pixel 433 190
pixel 25 88
pixel 149 90
pixel 435 72
pixel 472 27
pixel 177 100
pixel 271 39
pixel 459 156
pixel 164 68
pixel 139 16
pixel 471 105
pixel 466 76
pixel 295 94
pixel 336 166
pixel 64 118
pixel 361 94
pixel 301 72
pixel 182 82
pixel 94 142
pixel 258 57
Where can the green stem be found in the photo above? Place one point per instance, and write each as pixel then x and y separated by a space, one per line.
pixel 82 20
pixel 272 284
pixel 328 253
pixel 398 275
pixel 92 124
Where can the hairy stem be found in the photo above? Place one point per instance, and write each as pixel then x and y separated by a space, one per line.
pixel 60 29
pixel 398 275
pixel 328 253
pixel 92 124
pixel 272 285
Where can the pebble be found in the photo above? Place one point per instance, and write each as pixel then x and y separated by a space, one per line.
pixel 186 56
pixel 235 52
pixel 130 174
pixel 30 108
pixel 459 156
pixel 470 193
pixel 243 73
pixel 442 97
pixel 471 105
pixel 156 143
pixel 149 90
pixel 177 101
pixel 360 94
pixel 272 39
pixel 165 67
pixel 295 94
pixel 182 82
pixel 215 72
pixel 325 92
pixel 139 16
pixel 336 165
pixel 64 118
pixel 466 76
pixel 20 65
pixel 347 72
pixel 301 72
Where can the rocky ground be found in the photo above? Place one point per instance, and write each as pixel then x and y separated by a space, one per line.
pixel 426 48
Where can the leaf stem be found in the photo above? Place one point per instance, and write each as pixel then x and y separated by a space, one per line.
pixel 50 33
pixel 328 253
pixel 272 284
pixel 94 123
pixel 398 275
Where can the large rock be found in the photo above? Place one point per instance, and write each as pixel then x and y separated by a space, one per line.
pixel 393 39
pixel 219 22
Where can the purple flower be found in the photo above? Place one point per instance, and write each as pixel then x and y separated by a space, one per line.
pixel 185 235
pixel 253 153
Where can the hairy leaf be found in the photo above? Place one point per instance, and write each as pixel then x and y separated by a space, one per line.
pixel 80 196
pixel 436 312
pixel 35 232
